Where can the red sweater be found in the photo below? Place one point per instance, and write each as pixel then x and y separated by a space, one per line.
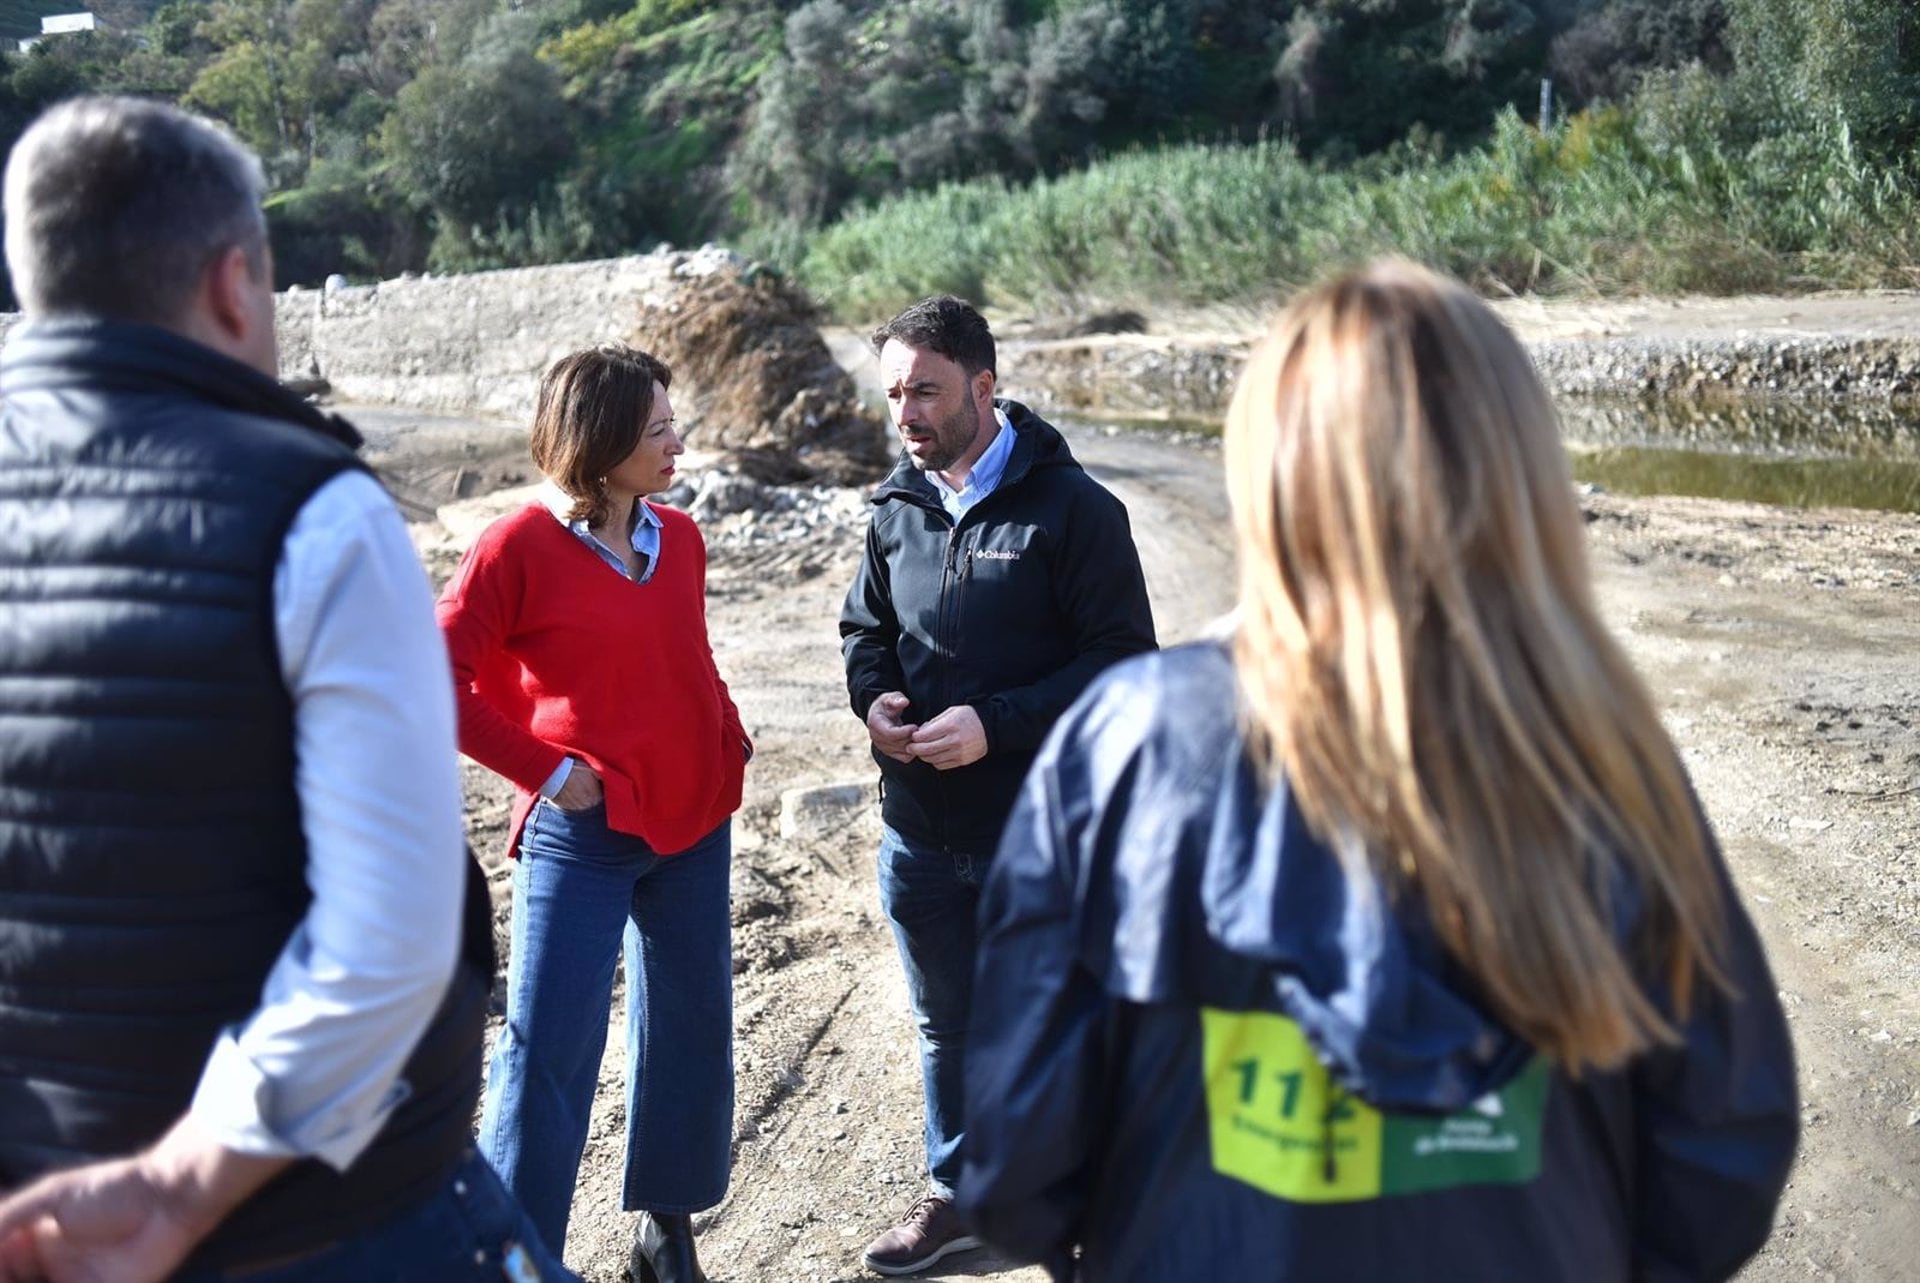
pixel 556 655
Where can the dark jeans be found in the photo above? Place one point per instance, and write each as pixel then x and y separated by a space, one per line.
pixel 582 896
pixel 930 897
pixel 470 1230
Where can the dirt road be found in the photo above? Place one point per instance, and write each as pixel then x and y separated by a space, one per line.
pixel 1781 646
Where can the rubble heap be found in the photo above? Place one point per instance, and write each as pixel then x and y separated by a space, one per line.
pixel 757 381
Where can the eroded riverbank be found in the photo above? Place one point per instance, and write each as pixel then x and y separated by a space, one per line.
pixel 1861 346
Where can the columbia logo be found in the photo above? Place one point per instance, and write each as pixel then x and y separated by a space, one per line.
pixel 997 554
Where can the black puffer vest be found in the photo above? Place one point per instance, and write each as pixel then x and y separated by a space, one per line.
pixel 151 858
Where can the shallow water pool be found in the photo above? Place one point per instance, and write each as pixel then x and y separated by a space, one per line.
pixel 1786 453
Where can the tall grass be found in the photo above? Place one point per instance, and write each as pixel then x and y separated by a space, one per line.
pixel 1664 198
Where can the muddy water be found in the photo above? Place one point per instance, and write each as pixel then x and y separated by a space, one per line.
pixel 1786 453
pixel 1792 454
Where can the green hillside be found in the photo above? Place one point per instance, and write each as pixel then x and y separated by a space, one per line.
pixel 1013 146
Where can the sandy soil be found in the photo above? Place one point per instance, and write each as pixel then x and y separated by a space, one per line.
pixel 1864 314
pixel 1781 647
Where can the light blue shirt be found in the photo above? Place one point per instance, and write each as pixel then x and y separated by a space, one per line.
pixel 646 542
pixel 986 473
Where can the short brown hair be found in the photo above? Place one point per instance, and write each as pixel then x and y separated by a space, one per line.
pixel 593 406
pixel 946 326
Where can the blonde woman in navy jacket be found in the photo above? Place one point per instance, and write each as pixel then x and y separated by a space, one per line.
pixel 1384 940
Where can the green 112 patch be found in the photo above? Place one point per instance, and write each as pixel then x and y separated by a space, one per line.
pixel 1281 1124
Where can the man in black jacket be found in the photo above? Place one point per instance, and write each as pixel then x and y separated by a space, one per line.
pixel 245 965
pixel 998 580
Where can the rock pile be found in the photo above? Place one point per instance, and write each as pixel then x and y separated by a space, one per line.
pixel 736 510
pixel 761 528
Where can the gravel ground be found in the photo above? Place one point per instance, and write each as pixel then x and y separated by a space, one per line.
pixel 1779 643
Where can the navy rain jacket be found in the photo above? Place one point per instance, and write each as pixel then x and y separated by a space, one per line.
pixel 1199 1053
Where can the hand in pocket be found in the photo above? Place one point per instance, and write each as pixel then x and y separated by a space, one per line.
pixel 582 791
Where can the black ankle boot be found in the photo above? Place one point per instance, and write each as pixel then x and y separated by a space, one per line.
pixel 663 1250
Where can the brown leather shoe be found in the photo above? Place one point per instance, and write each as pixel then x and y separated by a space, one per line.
pixel 663 1250
pixel 930 1230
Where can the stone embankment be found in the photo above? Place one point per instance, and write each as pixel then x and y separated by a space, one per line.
pixel 1857 346
pixel 751 373
pixel 1125 375
pixel 1876 369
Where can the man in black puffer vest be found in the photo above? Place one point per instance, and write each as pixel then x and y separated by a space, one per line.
pixel 244 959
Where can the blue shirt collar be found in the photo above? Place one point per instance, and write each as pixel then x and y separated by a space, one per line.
pixel 559 503
pixel 985 475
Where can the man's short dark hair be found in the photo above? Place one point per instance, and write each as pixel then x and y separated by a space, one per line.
pixel 944 325
pixel 115 207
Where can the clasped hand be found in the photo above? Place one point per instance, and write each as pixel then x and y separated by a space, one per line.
pixel 953 738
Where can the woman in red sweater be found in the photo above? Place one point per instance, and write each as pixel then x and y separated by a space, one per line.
pixel 577 629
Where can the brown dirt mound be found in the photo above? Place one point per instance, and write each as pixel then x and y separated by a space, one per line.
pixel 760 383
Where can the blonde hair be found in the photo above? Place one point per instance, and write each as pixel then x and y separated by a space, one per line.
pixel 1422 660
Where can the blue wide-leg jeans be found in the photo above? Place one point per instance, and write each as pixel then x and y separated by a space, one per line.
pixel 931 897
pixel 582 896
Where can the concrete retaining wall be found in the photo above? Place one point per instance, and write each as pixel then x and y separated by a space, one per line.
pixel 475 343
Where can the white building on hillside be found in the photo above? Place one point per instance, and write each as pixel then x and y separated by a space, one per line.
pixel 61 24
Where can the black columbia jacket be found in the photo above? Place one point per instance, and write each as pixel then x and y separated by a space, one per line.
pixel 1200 1051
pixel 1013 611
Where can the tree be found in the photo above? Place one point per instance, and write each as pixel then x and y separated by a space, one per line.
pixel 1357 75
pixel 409 35
pixel 1102 72
pixel 103 61
pixel 477 139
pixel 868 99
pixel 1608 49
pixel 806 144
pixel 280 70
pixel 1856 61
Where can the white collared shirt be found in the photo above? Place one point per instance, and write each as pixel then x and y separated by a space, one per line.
pixel 314 1070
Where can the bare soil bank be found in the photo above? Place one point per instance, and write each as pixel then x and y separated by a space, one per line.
pixel 1781 646
pixel 1856 344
